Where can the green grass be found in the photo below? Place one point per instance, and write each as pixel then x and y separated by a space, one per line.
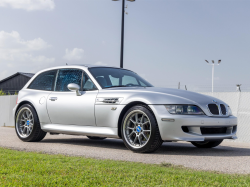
pixel 35 169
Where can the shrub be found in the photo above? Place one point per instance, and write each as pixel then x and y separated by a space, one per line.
pixel 2 93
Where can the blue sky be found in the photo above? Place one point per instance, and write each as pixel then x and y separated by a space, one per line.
pixel 166 41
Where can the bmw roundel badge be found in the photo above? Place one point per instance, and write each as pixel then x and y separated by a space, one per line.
pixel 138 129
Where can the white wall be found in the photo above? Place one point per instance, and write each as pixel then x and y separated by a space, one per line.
pixel 7 103
pixel 238 101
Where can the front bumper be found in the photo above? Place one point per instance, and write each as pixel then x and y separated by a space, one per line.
pixel 190 127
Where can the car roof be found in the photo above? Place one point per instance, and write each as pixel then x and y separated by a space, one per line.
pixel 82 66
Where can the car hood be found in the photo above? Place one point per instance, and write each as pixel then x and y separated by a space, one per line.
pixel 168 95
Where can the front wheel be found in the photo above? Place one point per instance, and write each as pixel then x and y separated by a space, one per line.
pixel 140 131
pixel 207 144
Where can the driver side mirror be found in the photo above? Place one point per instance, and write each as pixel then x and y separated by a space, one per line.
pixel 74 87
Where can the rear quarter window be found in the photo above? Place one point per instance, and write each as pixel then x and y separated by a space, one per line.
pixel 44 81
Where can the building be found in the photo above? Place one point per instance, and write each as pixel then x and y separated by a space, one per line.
pixel 15 83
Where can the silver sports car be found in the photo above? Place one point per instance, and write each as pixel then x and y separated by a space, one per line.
pixel 105 102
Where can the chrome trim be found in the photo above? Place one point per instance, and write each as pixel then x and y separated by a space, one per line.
pixel 219 108
pixel 109 100
pixel 53 98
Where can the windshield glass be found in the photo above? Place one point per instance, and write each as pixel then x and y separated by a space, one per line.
pixel 114 77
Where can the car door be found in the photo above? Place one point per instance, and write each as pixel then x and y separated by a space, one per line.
pixel 65 107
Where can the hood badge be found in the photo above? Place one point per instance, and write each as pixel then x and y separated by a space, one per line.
pixel 214 101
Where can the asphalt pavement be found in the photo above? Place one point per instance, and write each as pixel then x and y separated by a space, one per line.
pixel 230 157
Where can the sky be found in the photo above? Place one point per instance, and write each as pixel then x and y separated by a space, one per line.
pixel 166 41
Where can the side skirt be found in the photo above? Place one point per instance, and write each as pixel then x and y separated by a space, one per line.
pixel 81 130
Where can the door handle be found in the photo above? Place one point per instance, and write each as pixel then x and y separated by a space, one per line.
pixel 53 98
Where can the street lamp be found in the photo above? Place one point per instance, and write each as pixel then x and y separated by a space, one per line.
pixel 238 87
pixel 122 30
pixel 219 61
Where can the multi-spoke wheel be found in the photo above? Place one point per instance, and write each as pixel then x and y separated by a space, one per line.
pixel 140 131
pixel 27 124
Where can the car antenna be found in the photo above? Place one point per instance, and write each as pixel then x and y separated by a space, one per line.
pixel 186 87
pixel 179 85
pixel 66 64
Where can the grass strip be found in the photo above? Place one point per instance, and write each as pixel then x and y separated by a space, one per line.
pixel 36 169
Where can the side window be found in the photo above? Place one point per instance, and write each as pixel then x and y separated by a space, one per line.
pixel 87 83
pixel 44 81
pixel 67 76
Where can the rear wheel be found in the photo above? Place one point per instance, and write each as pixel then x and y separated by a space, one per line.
pixel 27 125
pixel 96 138
pixel 140 131
pixel 207 144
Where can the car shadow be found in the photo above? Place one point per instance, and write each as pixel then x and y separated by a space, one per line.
pixel 107 143
pixel 167 148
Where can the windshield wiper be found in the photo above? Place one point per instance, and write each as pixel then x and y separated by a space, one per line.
pixel 123 86
pixel 115 86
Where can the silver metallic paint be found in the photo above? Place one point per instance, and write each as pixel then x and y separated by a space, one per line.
pixel 70 109
pixel 85 115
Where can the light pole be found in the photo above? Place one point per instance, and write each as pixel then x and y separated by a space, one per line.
pixel 219 61
pixel 238 87
pixel 122 30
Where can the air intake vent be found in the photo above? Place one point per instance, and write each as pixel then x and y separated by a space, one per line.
pixel 213 109
pixel 223 109
pixel 111 100
pixel 215 130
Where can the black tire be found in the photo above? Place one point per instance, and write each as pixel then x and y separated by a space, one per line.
pixel 96 138
pixel 37 134
pixel 154 141
pixel 207 144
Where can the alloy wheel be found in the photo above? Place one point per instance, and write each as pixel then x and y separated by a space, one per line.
pixel 24 122
pixel 137 129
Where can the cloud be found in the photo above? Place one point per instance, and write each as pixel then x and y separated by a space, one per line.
pixel 17 53
pixel 73 55
pixel 100 64
pixel 29 5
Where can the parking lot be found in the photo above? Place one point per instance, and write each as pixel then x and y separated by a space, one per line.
pixel 230 157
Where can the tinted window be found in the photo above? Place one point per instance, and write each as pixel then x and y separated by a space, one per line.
pixel 67 76
pixel 114 77
pixel 87 83
pixel 44 81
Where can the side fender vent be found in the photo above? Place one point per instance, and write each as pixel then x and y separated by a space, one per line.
pixel 109 100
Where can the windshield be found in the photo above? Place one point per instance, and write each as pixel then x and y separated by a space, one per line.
pixel 114 77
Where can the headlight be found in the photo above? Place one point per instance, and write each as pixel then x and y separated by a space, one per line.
pixel 230 113
pixel 184 109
